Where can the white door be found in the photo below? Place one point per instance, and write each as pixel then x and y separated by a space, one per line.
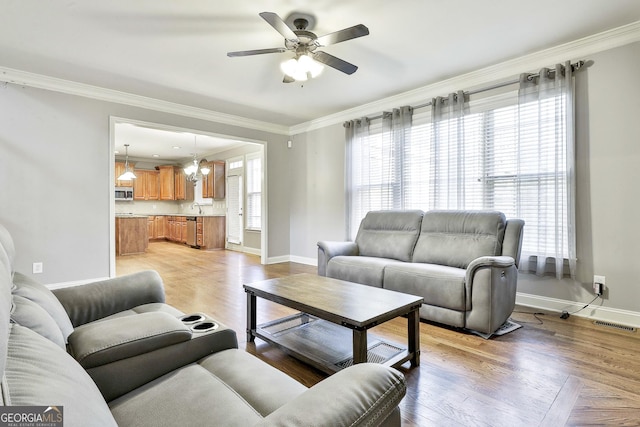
pixel 234 209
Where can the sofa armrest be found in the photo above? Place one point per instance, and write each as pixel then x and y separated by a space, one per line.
pixel 365 394
pixel 329 249
pixel 101 343
pixel 94 301
pixel 491 284
pixel 488 261
pixel 123 353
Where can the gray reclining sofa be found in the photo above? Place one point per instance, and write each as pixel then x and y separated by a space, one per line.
pixel 463 263
pixel 113 353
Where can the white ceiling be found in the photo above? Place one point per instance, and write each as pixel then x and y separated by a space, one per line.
pixel 163 145
pixel 176 50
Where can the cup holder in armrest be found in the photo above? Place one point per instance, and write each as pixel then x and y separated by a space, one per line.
pixel 190 319
pixel 204 326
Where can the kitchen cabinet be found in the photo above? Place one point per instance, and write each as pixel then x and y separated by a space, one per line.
pixel 183 189
pixel 157 227
pixel 132 235
pixel 167 182
pixel 177 229
pixel 173 183
pixel 213 185
pixel 210 232
pixel 160 227
pixel 146 185
pixel 119 170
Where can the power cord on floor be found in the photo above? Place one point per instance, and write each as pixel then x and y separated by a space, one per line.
pixel 535 315
pixel 565 314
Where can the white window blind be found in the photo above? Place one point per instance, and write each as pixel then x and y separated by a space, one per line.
pixel 471 162
pixel 254 193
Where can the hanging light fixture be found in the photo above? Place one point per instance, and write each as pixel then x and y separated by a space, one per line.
pixel 127 175
pixel 301 68
pixel 195 170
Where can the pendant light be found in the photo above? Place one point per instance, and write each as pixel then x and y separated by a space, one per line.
pixel 195 170
pixel 127 175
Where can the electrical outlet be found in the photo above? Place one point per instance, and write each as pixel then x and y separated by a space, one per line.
pixel 599 283
pixel 37 268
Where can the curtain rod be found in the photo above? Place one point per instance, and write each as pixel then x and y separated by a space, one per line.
pixel 575 66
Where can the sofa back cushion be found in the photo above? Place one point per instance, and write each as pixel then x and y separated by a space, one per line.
pixel 30 315
pixel 5 308
pixel 28 288
pixel 40 373
pixel 455 238
pixel 389 234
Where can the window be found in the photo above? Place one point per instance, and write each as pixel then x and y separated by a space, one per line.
pixel 254 192
pixel 500 156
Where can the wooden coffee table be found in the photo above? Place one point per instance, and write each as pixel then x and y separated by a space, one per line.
pixel 330 332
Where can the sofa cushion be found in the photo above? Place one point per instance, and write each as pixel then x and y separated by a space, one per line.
pixel 455 238
pixel 359 269
pixel 30 315
pixel 389 234
pixel 230 387
pixel 41 295
pixel 439 285
pixel 40 373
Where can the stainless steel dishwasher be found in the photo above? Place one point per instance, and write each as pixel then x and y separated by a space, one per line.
pixel 192 224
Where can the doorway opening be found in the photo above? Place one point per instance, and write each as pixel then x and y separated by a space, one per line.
pixel 152 146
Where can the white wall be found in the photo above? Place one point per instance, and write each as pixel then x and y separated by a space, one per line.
pixel 54 179
pixel 317 190
pixel 608 168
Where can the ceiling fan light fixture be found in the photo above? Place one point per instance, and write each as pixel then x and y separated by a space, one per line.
pixel 301 68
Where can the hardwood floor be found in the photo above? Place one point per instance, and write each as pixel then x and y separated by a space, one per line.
pixel 550 372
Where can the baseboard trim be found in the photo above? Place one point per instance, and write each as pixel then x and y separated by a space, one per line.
pixel 304 260
pixel 278 259
pixel 595 312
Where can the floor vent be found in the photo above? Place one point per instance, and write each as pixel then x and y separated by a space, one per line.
pixel 615 326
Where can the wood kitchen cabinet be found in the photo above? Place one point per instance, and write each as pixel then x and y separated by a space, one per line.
pixel 157 227
pixel 176 229
pixel 173 183
pixel 119 170
pixel 167 182
pixel 210 232
pixel 213 186
pixel 146 185
pixel 183 189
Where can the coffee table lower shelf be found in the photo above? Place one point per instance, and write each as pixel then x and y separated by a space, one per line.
pixel 325 345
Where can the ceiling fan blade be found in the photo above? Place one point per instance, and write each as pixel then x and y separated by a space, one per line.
pixel 288 79
pixel 343 35
pixel 256 52
pixel 280 26
pixel 334 62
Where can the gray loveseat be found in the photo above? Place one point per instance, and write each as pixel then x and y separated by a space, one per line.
pixel 113 353
pixel 463 263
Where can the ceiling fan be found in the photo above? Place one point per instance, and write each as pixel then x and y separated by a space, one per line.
pixel 304 44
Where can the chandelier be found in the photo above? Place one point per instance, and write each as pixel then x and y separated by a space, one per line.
pixel 196 169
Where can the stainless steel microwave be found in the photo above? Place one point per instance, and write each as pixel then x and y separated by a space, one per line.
pixel 124 193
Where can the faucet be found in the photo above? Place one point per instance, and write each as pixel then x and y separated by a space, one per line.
pixel 199 207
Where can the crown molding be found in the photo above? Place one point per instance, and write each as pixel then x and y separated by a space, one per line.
pixel 24 78
pixel 574 50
